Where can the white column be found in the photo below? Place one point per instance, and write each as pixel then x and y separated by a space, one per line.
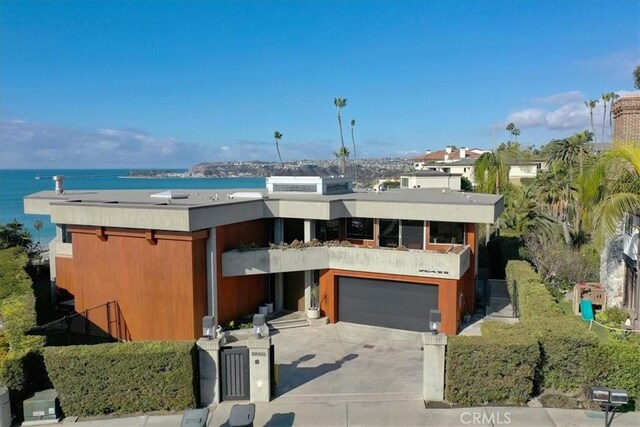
pixel 433 349
pixel 309 234
pixel 259 369
pixel 278 236
pixel 212 276
pixel 209 359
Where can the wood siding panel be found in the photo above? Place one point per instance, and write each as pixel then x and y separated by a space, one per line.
pixel 448 291
pixel 160 288
pixel 65 288
pixel 241 295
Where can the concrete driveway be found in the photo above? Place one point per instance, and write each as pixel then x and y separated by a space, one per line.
pixel 346 361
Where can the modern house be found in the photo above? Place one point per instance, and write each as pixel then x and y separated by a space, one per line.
pixel 166 259
pixel 431 179
pixel 461 162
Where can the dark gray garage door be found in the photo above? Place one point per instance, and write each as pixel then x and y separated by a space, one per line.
pixel 398 305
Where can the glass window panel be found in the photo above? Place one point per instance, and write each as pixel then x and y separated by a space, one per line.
pixel 328 230
pixel 413 234
pixel 293 229
pixel 389 233
pixel 446 232
pixel 360 228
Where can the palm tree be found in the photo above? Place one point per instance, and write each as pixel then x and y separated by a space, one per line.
pixel 516 133
pixel 555 187
pixel 340 103
pixel 510 127
pixel 277 135
pixel 612 97
pixel 342 154
pixel 605 98
pixel 619 192
pixel 591 105
pixel 491 172
pixel 355 158
pixel 38 224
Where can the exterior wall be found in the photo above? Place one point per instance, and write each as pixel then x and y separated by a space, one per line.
pixel 64 282
pixel 452 182
pixel 241 295
pixel 455 297
pixel 157 279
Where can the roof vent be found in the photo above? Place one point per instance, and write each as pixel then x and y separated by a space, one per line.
pixel 171 195
pixel 59 181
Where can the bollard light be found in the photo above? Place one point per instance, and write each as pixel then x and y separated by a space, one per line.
pixel 609 399
pixel 208 329
pixel 435 319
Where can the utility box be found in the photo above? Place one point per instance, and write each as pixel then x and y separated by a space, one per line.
pixel 42 406
pixel 195 418
pixel 5 408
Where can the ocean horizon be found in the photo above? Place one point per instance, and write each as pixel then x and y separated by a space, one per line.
pixel 15 184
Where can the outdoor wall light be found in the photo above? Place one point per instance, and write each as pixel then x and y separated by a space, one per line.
pixel 435 319
pixel 609 399
pixel 208 327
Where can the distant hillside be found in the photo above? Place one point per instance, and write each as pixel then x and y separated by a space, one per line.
pixel 369 170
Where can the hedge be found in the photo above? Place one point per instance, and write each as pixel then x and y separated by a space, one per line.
pixel 21 367
pixel 483 370
pixel 124 377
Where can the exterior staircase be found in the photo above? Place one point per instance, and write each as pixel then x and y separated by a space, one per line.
pixel 292 319
pixel 500 301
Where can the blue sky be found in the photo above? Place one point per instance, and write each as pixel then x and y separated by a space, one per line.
pixel 170 84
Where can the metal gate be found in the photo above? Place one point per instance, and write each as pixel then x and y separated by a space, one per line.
pixel 234 373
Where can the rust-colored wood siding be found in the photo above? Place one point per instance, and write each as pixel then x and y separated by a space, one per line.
pixel 64 278
pixel 240 295
pixel 455 297
pixel 158 279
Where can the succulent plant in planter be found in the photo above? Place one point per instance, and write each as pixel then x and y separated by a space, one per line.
pixel 313 312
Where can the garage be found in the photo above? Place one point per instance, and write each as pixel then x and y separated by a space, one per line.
pixel 390 304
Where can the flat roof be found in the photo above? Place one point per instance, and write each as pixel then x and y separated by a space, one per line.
pixel 210 208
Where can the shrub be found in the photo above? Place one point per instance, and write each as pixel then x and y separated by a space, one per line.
pixel 14 280
pixel 489 369
pixel 22 371
pixel 616 364
pixel 124 377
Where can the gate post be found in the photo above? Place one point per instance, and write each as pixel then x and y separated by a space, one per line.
pixel 209 361
pixel 433 349
pixel 259 369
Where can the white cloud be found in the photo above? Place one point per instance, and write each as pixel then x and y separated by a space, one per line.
pixel 569 116
pixel 531 117
pixel 35 145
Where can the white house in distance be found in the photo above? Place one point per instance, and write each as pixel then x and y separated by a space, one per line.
pixel 460 161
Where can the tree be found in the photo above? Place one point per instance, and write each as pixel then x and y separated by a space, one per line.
pixel 615 187
pixel 355 158
pixel 277 136
pixel 13 234
pixel 510 127
pixel 340 103
pixel 516 133
pixel 491 172
pixel 591 105
pixel 342 154
pixel 636 77
pixel 38 224
pixel 612 97
pixel 605 98
pixel 554 190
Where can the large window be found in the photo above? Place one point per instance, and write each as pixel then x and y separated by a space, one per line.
pixel 446 232
pixel 293 229
pixel 328 230
pixel 360 228
pixel 413 234
pixel 389 233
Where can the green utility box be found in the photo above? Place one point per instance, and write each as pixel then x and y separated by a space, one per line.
pixel 42 406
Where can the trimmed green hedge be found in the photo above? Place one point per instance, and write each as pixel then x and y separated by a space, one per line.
pixel 483 370
pixel 22 368
pixel 124 377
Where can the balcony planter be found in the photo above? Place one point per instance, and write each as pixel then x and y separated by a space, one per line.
pixel 313 313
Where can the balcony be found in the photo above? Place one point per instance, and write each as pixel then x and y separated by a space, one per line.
pixel 450 265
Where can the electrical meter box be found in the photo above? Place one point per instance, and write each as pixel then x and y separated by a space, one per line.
pixel 42 406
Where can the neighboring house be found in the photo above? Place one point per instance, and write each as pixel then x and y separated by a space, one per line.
pixel 631 257
pixel 461 161
pixel 431 179
pixel 168 259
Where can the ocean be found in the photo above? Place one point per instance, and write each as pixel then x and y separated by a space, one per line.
pixel 17 183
